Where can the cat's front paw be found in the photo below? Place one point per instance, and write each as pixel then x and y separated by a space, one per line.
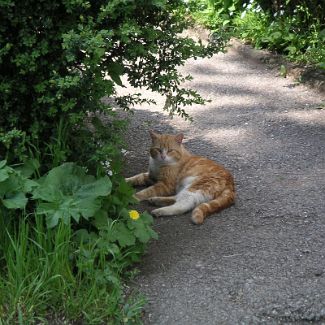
pixel 136 198
pixel 157 212
pixel 128 180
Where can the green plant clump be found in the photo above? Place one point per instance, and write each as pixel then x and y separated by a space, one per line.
pixel 67 257
pixel 68 239
pixel 295 28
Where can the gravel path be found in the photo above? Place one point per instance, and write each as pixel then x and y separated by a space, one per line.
pixel 261 261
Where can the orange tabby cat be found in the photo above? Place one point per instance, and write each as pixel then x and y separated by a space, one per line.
pixel 182 181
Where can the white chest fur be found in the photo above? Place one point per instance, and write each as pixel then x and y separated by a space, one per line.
pixel 153 168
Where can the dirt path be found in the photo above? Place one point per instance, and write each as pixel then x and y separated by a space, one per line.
pixel 262 260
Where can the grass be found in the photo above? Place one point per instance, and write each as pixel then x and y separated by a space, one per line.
pixel 42 278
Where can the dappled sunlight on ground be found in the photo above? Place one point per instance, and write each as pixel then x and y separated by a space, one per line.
pixel 311 116
pixel 238 135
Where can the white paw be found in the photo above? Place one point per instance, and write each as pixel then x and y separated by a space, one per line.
pixel 128 180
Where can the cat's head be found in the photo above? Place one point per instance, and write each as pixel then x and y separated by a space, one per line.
pixel 165 148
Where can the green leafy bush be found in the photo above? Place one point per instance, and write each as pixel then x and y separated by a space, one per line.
pixel 59 59
pixel 292 27
pixel 297 34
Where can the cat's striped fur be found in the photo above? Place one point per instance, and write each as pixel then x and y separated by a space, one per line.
pixel 182 181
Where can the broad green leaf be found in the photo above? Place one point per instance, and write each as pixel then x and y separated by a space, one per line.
pixel 153 234
pixel 29 185
pixel 142 234
pixel 29 167
pixel 17 201
pixel 87 207
pixel 10 185
pixel 101 219
pixel 67 192
pixel 141 231
pixel 3 174
pixel 123 235
pixel 101 187
pixel 147 218
pixel 52 220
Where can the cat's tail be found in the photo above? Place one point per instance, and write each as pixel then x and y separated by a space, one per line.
pixel 224 200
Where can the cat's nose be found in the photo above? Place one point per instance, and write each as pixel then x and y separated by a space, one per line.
pixel 163 157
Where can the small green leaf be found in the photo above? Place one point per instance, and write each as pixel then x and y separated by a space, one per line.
pixel 321 65
pixel 283 71
pixel 225 22
pixel 291 49
pixel 115 70
pixel 159 3
pixel 276 35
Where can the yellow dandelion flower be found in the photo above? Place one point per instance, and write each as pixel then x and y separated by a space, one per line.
pixel 134 214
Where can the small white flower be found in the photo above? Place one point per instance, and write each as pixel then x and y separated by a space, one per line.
pixel 124 152
pixel 106 164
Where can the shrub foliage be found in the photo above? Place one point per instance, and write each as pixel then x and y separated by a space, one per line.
pixel 59 58
pixel 292 27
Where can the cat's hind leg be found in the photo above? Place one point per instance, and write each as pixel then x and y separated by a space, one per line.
pixel 224 200
pixel 161 201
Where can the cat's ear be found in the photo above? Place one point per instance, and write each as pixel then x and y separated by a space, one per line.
pixel 179 138
pixel 153 135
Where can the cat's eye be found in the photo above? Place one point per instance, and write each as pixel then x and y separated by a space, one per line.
pixel 170 150
pixel 157 149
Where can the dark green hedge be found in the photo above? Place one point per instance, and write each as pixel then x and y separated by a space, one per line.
pixel 59 58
